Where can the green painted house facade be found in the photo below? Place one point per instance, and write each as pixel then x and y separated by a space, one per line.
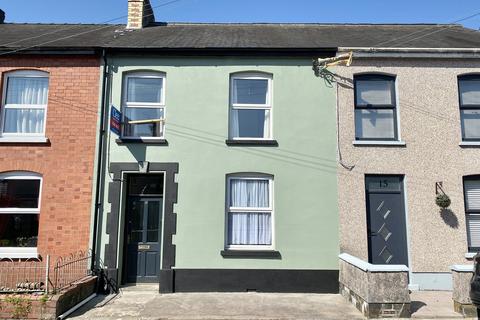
pixel 230 185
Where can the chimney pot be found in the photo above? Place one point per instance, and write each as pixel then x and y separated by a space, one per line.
pixel 140 14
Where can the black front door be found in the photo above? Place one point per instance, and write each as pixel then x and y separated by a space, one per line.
pixel 386 223
pixel 143 229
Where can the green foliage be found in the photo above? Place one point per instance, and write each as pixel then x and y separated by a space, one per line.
pixel 43 299
pixel 21 306
pixel 442 200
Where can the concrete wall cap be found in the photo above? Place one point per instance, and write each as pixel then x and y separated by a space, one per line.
pixel 368 267
pixel 462 267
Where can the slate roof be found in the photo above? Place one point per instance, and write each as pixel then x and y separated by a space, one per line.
pixel 236 36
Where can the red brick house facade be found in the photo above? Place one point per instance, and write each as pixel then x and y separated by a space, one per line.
pixel 49 112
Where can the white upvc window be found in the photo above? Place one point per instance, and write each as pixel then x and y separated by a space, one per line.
pixel 24 106
pixel 249 216
pixel 20 194
pixel 250 106
pixel 144 100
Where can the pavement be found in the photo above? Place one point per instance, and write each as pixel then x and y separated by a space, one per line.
pixel 433 305
pixel 145 303
pixel 141 303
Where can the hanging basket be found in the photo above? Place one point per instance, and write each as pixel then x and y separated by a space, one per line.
pixel 442 200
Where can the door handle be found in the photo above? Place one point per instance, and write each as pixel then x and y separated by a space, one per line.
pixel 373 234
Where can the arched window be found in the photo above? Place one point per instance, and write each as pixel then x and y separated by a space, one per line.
pixel 249 214
pixel 19 213
pixel 25 103
pixel 375 107
pixel 143 105
pixel 250 106
pixel 469 94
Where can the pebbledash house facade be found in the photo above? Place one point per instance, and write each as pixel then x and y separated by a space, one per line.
pixel 48 130
pixel 409 130
pixel 230 160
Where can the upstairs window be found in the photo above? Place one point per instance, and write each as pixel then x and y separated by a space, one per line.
pixel 19 211
pixel 25 103
pixel 249 212
pixel 471 187
pixel 469 92
pixel 251 106
pixel 144 105
pixel 375 108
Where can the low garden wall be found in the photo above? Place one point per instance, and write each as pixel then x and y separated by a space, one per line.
pixel 461 276
pixel 378 291
pixel 45 306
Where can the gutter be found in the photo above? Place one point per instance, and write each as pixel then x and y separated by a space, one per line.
pixel 231 52
pixel 441 53
pixel 101 138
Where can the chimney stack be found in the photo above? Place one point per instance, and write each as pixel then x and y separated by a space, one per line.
pixel 2 16
pixel 140 14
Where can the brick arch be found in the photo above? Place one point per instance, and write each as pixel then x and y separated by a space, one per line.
pixel 19 165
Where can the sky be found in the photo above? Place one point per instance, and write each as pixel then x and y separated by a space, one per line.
pixel 288 11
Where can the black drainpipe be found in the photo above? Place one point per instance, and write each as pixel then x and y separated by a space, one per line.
pixel 101 137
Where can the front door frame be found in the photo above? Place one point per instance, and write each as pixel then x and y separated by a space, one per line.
pixel 112 249
pixel 122 241
pixel 403 190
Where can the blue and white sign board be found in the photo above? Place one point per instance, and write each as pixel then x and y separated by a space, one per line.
pixel 115 120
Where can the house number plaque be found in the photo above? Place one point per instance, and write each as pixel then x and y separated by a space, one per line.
pixel 143 247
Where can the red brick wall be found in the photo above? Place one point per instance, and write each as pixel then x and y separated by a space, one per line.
pixel 67 163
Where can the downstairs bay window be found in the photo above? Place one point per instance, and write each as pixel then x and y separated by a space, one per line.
pixel 249 212
pixel 19 214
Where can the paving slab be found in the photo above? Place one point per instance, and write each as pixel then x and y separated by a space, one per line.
pixel 147 304
pixel 433 305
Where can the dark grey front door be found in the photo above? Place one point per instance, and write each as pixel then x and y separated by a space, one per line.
pixel 143 239
pixel 386 223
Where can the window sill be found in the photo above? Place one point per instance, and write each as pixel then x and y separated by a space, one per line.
pixel 251 143
pixel 270 254
pixel 469 144
pixel 21 140
pixel 162 142
pixel 18 253
pixel 378 143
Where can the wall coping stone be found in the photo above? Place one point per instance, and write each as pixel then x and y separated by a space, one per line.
pixel 462 267
pixel 368 267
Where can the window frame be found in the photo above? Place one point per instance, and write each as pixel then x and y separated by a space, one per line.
pixel 4 105
pixel 466 107
pixel 268 106
pixel 393 106
pixel 270 209
pixel 20 252
pixel 469 212
pixel 145 105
